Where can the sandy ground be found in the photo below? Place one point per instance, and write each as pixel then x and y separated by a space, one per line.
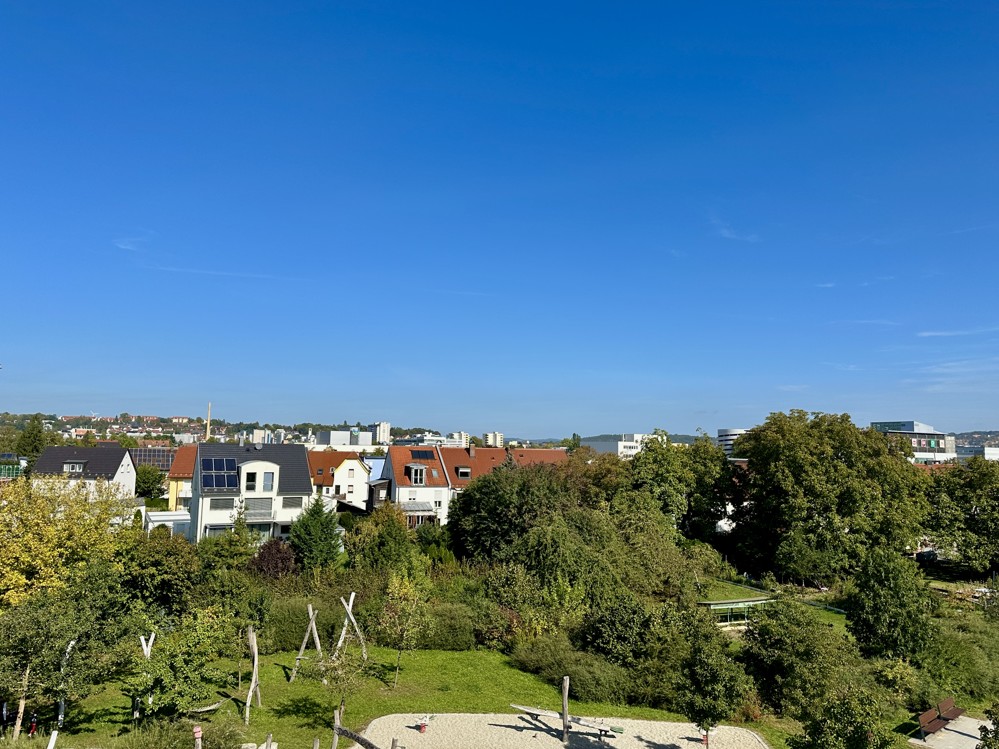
pixel 499 731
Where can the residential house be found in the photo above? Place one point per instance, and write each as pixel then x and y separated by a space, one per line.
pixel 341 476
pixel 417 482
pixel 529 456
pixel 269 484
pixel 180 478
pixel 89 465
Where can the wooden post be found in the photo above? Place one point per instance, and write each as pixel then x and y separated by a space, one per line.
pixel 267 745
pixel 309 630
pixel 52 740
pixel 357 629
pixel 315 743
pixel 336 727
pixel 251 636
pixel 20 704
pixel 197 737
pixel 395 743
pixel 565 709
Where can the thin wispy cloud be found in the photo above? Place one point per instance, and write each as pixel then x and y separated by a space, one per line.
pixel 955 333
pixel 792 388
pixel 723 230
pixel 133 244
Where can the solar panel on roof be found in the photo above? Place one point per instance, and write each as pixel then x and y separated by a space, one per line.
pixel 219 464
pixel 423 454
pixel 206 464
pixel 208 480
pixel 230 464
pixel 231 480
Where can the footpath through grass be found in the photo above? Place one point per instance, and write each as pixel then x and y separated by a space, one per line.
pixel 430 682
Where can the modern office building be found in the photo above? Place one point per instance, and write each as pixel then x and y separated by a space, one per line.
pixel 928 445
pixel 493 439
pixel 382 432
pixel 727 437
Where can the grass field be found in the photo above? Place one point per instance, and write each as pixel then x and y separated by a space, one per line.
pixel 719 590
pixel 430 682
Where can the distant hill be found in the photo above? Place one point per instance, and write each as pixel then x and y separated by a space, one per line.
pixel 988 438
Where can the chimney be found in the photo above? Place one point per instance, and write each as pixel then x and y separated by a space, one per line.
pixel 471 449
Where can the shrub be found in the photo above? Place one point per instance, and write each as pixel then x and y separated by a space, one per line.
pixel 450 627
pixel 274 559
pixel 287 622
pixel 591 678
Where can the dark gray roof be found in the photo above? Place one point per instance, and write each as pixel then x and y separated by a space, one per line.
pixel 98 462
pixel 294 477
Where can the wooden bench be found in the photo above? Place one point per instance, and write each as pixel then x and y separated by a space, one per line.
pixel 948 711
pixel 930 722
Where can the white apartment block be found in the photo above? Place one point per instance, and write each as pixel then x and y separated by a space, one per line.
pixel 493 439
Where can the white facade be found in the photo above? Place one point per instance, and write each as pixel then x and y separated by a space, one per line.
pixel 349 483
pixel 264 510
pixel 344 438
pixel 965 452
pixel 459 439
pixel 382 432
pixel 727 437
pixel 492 439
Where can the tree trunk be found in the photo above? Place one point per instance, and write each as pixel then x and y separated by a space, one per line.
pixel 20 704
pixel 398 662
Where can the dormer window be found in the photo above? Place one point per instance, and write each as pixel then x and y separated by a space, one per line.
pixel 464 472
pixel 417 474
pixel 319 471
pixel 72 467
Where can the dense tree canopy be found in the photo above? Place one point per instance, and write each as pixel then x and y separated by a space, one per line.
pixel 818 492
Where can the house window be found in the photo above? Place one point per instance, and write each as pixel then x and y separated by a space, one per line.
pixel 412 495
pixel 464 472
pixel 268 481
pixel 418 476
pixel 73 467
pixel 221 504
pixel 433 472
pixel 350 488
pixel 350 473
pixel 437 503
pixel 251 481
pixel 319 471
pixel 336 489
pixel 292 503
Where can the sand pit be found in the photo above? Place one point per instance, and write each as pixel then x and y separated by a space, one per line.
pixel 501 731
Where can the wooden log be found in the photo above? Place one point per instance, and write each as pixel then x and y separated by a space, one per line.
pixel 336 728
pixel 52 740
pixel 343 629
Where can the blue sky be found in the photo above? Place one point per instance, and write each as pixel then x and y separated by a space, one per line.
pixel 533 217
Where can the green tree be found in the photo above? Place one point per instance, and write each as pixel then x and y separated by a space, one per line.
pixel 181 674
pixel 715 685
pixel 49 528
pixel 888 610
pixel 663 469
pixel 790 655
pixel 710 489
pixel 383 541
pixel 499 508
pixel 160 569
pixel 966 512
pixel 149 481
pixel 315 538
pixel 819 492
pixel 125 441
pixel 228 551
pixel 846 722
pixel 31 441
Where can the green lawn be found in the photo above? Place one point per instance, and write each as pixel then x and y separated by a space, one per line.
pixel 430 682
pixel 719 590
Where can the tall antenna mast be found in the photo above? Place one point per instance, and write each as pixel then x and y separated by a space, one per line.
pixel 208 424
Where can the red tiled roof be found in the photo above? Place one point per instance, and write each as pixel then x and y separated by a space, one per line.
pixel 328 461
pixel 533 456
pixel 183 462
pixel 484 460
pixel 401 456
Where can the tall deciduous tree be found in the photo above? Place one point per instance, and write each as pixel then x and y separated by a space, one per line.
pixel 819 492
pixel 715 685
pixel 663 469
pixel 49 527
pixel 790 655
pixel 888 611
pixel 966 512
pixel 402 617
